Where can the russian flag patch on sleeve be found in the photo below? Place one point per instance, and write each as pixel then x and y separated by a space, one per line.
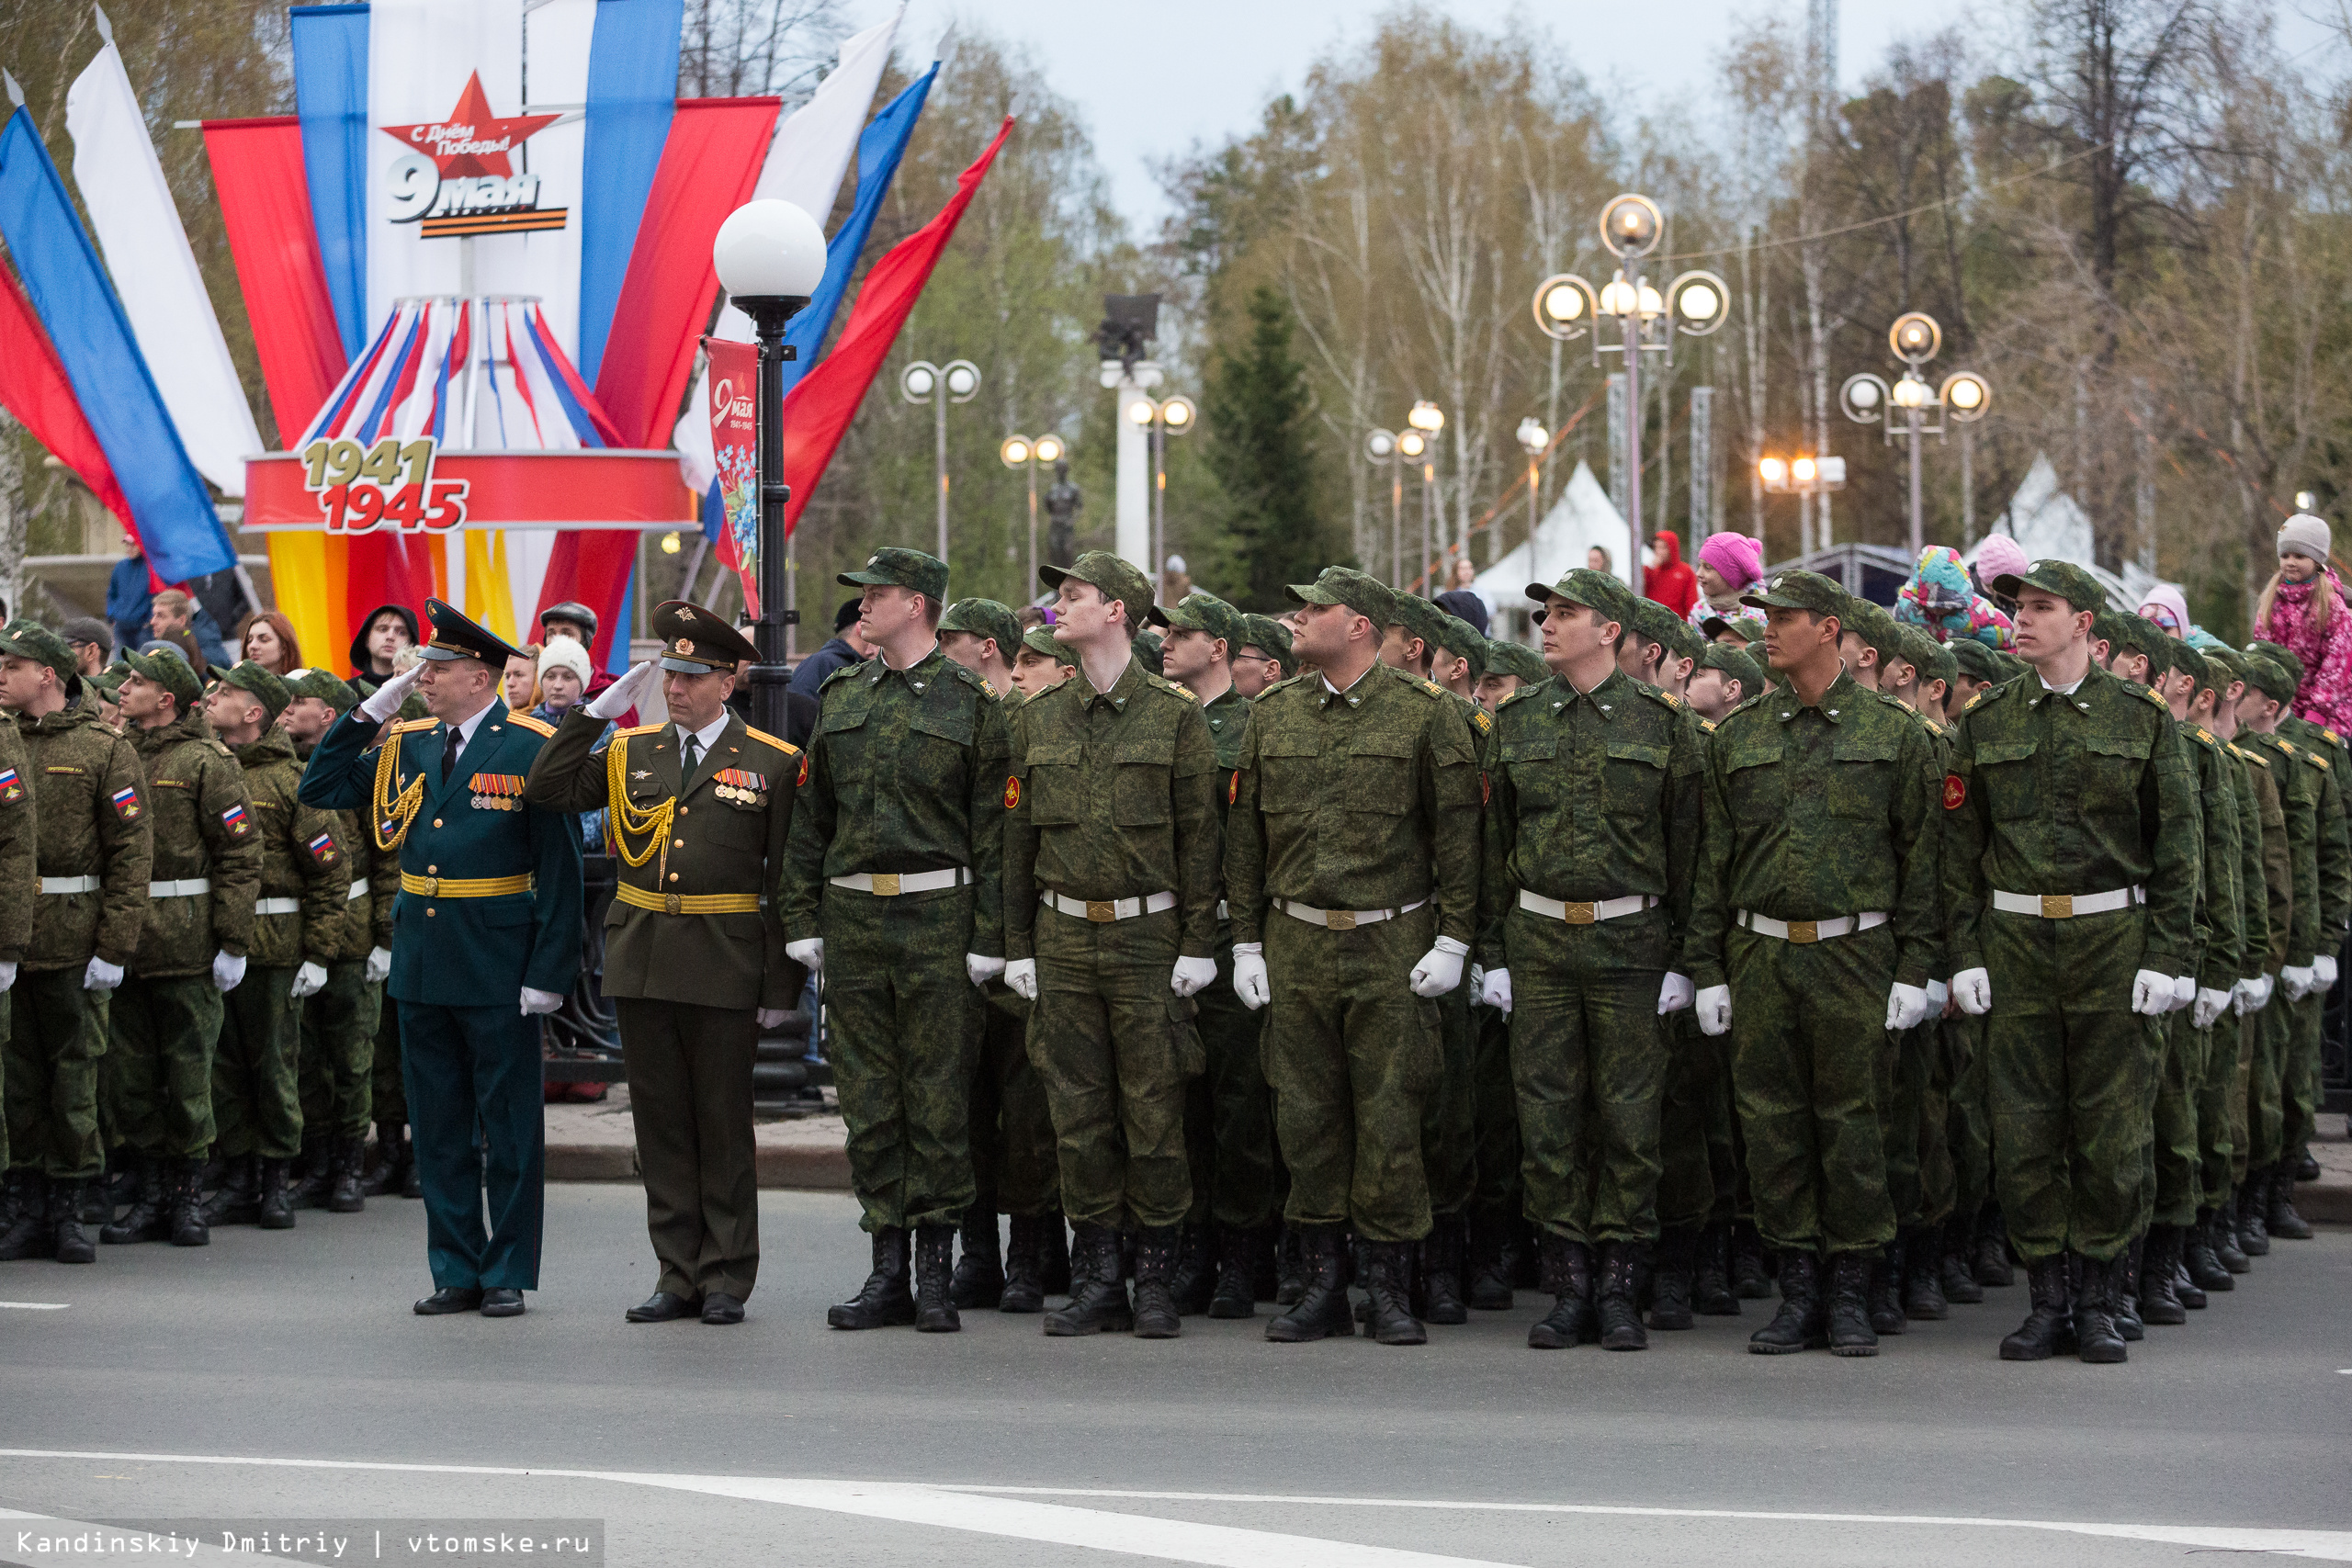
pixel 12 788
pixel 126 803
pixel 235 821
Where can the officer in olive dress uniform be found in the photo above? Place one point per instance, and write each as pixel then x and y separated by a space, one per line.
pixel 485 936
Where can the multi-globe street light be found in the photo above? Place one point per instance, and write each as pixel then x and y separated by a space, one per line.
pixel 1020 452
pixel 1383 449
pixel 1915 338
pixel 1424 422
pixel 957 381
pixel 1162 419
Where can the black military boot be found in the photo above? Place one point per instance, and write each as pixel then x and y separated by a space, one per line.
pixel 277 1212
pixel 411 1173
pixel 1321 1311
pixel 884 1300
pixel 1490 1262
pixel 1884 1289
pixel 237 1202
pixel 2254 1207
pixel 1193 1280
pixel 188 1226
pixel 1156 1313
pixel 1960 1281
pixel 1238 1248
pixel 1024 1285
pixel 70 1242
pixel 2097 1339
pixel 2280 1219
pixel 1803 1322
pixel 1677 1256
pixel 2226 1250
pixel 148 1217
pixel 2202 1261
pixel 98 1197
pixel 1617 1297
pixel 1853 1304
pixel 1923 1276
pixel 935 1266
pixel 1053 1253
pixel 27 1234
pixel 392 1160
pixel 1749 1280
pixel 1098 1303
pixel 344 1196
pixel 2305 1166
pixel 1567 1277
pixel 1441 1254
pixel 1291 1267
pixel 979 1273
pixel 1388 1287
pixel 2046 1326
pixel 2122 1276
pixel 1711 1291
pixel 2160 1302
pixel 1991 1263
pixel 2184 1285
pixel 311 1179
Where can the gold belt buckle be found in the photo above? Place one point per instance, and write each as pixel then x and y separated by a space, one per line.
pixel 432 885
pixel 886 885
pixel 1101 911
pixel 1339 919
pixel 1580 914
pixel 1805 931
pixel 669 903
pixel 2057 906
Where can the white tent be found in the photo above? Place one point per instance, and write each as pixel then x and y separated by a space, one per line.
pixel 2048 524
pixel 1580 519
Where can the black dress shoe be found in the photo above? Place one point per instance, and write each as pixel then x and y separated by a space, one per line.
pixel 663 1306
pixel 448 1299
pixel 501 1302
pixel 721 1307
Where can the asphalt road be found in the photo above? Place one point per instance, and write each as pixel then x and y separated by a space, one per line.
pixel 281 1378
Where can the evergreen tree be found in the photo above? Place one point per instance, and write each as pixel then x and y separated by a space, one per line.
pixel 1260 448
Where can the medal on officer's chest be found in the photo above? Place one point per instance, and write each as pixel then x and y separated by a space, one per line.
pixel 741 786
pixel 497 792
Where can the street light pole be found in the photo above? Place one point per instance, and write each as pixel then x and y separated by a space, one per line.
pixel 1867 398
pixel 957 381
pixel 1918 535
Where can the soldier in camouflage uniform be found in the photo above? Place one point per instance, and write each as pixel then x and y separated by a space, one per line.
pixel 1592 831
pixel 894 866
pixel 2265 899
pixel 20 897
pixel 339 1017
pixel 1460 657
pixel 1264 655
pixel 2071 864
pixel 1355 801
pixel 95 854
pixel 1041 664
pixel 1813 928
pixel 1110 912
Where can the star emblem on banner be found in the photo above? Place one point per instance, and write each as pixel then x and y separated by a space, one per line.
pixel 472 140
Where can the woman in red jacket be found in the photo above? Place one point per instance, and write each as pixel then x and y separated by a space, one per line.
pixel 1666 578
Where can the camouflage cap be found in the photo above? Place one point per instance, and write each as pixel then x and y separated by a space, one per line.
pixel 1746 628
pixel 2063 578
pixel 1516 659
pixel 1117 579
pixel 985 618
pixel 262 683
pixel 1974 659
pixel 1875 627
pixel 110 680
pixel 2266 675
pixel 2225 664
pixel 1797 590
pixel 1146 646
pixel 2284 658
pixel 1466 643
pixel 1359 592
pixel 1594 590
pixel 1200 612
pixel 324 685
pixel 895 565
pixel 1421 619
pixel 1736 663
pixel 1943 664
pixel 30 640
pixel 1040 640
pixel 2187 661
pixel 1655 622
pixel 163 663
pixel 2151 639
pixel 1268 636
pixel 2012 666
pixel 1917 649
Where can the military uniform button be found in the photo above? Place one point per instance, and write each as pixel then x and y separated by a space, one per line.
pixel 677 843
pixel 430 911
pixel 432 871
pixel 673 876
pixel 436 821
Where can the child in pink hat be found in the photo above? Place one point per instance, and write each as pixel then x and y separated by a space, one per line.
pixel 1727 564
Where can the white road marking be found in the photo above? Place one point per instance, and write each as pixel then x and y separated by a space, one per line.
pixel 34 1306
pixel 86 1542
pixel 995 1510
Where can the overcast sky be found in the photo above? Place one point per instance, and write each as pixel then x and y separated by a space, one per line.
pixel 1150 80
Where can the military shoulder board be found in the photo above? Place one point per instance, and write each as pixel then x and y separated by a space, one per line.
pixel 1707 724
pixel 739 785
pixel 2152 697
pixel 1479 717
pixel 496 792
pixel 536 726
pixel 1669 699
pixel 2205 735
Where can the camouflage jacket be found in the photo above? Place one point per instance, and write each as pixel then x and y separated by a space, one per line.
pixel 2332 834
pixel 91 799
pixel 374 873
pixel 2269 877
pixel 205 829
pixel 2301 787
pixel 2217 891
pixel 19 848
pixel 305 859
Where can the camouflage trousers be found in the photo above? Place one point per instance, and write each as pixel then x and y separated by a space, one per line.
pixel 256 1099
pixel 337 1053
pixel 1449 1117
pixel 1013 1128
pixel 2244 1093
pixel 902 1036
pixel 57 1037
pixel 158 1074
pixel 2265 1114
pixel 2218 1131
pixel 1230 1110
pixel 1968 1131
pixel 1352 1055
pixel 1494 1107
pixel 2169 1175
pixel 1117 1049
pixel 1914 1094
pixel 1808 1039
pixel 2299 1075
pixel 1698 1184
pixel 1589 1054
pixel 2068 1068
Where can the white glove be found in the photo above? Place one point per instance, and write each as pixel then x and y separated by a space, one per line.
pixel 1440 969
pixel 386 699
pixel 808 952
pixel 2151 994
pixel 1021 975
pixel 309 980
pixel 7 975
pixel 1495 989
pixel 1190 975
pixel 2325 968
pixel 626 693
pixel 1249 974
pixel 228 970
pixel 2298 982
pixel 539 1001
pixel 1715 1010
pixel 2210 1004
pixel 768 1017
pixel 1938 994
pixel 1905 1006
pixel 101 975
pixel 2184 991
pixel 2242 998
pixel 982 969
pixel 2264 987
pixel 379 965
pixel 1674 994
pixel 1973 990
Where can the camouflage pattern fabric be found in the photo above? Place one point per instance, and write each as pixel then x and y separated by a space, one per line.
pixel 256 1087
pixel 158 1067
pixel 204 826
pixel 335 1065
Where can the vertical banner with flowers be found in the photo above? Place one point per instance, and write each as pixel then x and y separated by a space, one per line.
pixel 735 449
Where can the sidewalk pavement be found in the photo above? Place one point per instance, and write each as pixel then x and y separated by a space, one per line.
pixel 2329 1200
pixel 596 1143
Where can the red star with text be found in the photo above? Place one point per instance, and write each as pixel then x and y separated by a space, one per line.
pixel 472 140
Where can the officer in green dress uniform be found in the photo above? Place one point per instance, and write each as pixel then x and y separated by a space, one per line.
pixel 485 937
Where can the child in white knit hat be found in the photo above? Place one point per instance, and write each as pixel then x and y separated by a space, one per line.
pixel 563 675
